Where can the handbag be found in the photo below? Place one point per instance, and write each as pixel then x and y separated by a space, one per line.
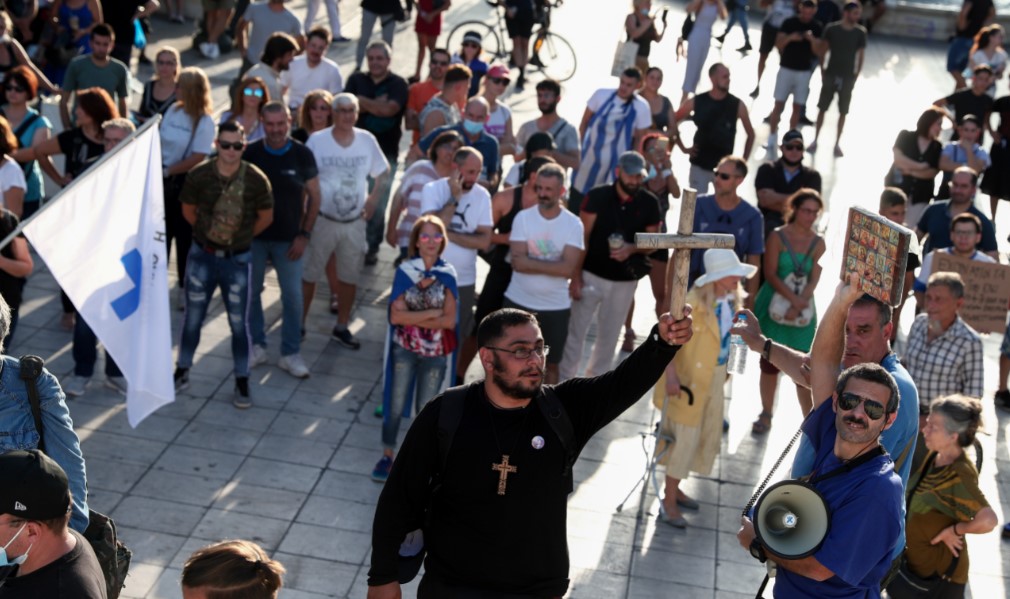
pixel 624 57
pixel 113 556
pixel 796 281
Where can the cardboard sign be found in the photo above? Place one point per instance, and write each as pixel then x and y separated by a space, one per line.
pixel 877 250
pixel 986 290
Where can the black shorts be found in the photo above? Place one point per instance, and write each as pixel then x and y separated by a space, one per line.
pixel 830 85
pixel 553 326
pixel 768 34
pixel 521 25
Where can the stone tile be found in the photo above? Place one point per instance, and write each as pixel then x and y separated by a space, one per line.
pixel 187 549
pixel 596 554
pixel 218 437
pixel 150 547
pixel 119 478
pixel 337 513
pixel 200 462
pixel 739 578
pixel 312 428
pixel 168 585
pixel 111 446
pixel 341 403
pixel 296 451
pixel 325 577
pixel 344 546
pixel 651 588
pixel 141 580
pixel 181 488
pixel 590 525
pixel 595 584
pixel 157 515
pixel 255 418
pixel 103 501
pixel 243 497
pixel 279 475
pixel 218 524
pixel 694 540
pixel 673 567
pixel 352 459
pixel 345 485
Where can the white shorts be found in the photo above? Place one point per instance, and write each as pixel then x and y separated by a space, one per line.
pixel 795 83
pixel 346 239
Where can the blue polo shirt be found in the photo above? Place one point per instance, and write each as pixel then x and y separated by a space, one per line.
pixel 935 222
pixel 485 144
pixel 743 222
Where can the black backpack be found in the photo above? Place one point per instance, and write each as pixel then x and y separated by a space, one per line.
pixel 113 556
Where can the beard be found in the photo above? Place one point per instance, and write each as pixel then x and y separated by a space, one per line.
pixel 631 190
pixel 517 389
pixel 791 163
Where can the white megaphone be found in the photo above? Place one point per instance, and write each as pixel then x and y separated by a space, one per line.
pixel 791 519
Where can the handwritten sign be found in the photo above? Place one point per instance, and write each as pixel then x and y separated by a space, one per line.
pixel 986 290
pixel 877 250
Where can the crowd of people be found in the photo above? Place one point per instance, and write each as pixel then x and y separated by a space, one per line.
pixel 305 173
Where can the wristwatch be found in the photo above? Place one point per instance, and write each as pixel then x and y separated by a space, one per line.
pixel 757 551
pixel 305 234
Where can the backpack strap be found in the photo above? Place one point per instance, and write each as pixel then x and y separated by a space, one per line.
pixel 31 369
pixel 449 416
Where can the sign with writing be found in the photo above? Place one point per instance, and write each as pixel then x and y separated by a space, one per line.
pixel 877 250
pixel 986 290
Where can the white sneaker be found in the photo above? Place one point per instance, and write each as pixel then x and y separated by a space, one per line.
pixel 215 50
pixel 257 356
pixel 294 365
pixel 204 49
pixel 116 383
pixel 74 385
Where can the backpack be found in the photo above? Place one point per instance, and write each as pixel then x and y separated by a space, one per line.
pixel 113 556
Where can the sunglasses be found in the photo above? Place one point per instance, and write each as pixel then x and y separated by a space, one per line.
pixel 231 145
pixel 498 80
pixel 796 147
pixel 724 176
pixel 14 88
pixel 249 91
pixel 430 237
pixel 874 409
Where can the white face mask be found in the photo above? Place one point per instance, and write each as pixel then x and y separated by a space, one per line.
pixel 5 38
pixel 17 561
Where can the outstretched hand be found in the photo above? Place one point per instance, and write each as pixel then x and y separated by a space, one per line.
pixel 676 332
pixel 848 291
pixel 749 330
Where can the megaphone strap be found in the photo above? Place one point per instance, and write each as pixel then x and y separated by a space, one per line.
pixel 850 465
pixel 764 483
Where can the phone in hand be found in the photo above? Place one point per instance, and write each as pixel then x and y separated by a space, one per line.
pixel 662 144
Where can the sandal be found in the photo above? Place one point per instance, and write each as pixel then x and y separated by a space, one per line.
pixel 762 424
pixel 334 305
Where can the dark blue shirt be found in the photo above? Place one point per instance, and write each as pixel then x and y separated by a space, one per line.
pixel 935 222
pixel 744 222
pixel 485 144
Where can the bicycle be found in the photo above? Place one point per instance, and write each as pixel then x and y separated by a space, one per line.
pixel 552 54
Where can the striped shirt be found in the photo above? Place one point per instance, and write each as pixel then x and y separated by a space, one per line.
pixel 419 173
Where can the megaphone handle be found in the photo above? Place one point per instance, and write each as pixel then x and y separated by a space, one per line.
pixel 764 483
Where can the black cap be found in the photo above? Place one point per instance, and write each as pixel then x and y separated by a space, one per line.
pixel 33 486
pixel 792 135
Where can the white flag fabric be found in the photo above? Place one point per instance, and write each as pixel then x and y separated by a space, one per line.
pixel 104 241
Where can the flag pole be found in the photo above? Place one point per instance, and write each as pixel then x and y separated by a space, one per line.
pixel 92 170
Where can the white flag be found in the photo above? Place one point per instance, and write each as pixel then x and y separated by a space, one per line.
pixel 104 241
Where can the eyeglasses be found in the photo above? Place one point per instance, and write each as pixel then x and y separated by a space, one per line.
pixel 724 176
pixel 231 145
pixel 498 80
pixel 794 147
pixel 251 91
pixel 874 409
pixel 430 237
pixel 14 88
pixel 971 233
pixel 524 354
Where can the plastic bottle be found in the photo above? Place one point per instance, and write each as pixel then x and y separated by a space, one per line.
pixel 737 362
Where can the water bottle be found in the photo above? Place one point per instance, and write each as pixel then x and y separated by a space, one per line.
pixel 737 362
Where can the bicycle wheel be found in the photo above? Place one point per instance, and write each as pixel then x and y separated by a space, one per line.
pixel 491 44
pixel 556 57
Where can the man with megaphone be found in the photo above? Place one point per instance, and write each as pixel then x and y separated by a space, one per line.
pixel 852 473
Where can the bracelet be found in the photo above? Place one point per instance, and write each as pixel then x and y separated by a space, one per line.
pixel 766 353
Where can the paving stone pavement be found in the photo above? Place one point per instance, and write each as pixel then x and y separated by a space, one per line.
pixel 292 472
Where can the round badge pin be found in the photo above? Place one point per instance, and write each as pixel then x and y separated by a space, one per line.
pixel 537 442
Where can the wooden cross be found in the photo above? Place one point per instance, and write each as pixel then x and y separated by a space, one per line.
pixel 504 469
pixel 685 240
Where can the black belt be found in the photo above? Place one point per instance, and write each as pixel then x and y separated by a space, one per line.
pixel 337 220
pixel 221 252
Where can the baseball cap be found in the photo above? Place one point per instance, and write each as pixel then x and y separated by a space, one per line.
pixel 33 486
pixel 792 135
pixel 499 71
pixel 473 36
pixel 809 3
pixel 632 163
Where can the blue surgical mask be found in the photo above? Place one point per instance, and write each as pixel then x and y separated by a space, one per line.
pixel 645 11
pixel 472 127
pixel 10 567
pixel 652 173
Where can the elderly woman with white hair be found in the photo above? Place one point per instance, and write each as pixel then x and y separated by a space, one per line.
pixel 690 392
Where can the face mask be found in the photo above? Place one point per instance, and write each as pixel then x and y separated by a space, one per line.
pixel 652 172
pixel 645 11
pixel 5 38
pixel 472 127
pixel 10 567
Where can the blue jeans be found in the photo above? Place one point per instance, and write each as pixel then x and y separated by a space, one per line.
pixel 204 273
pixel 85 352
pixel 289 276
pixel 739 15
pixel 426 374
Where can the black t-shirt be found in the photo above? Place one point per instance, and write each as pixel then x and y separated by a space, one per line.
pixel 615 216
pixel 799 56
pixel 80 152
pixel 288 174
pixel 964 102
pixel 977 15
pixel 387 130
pixel 1002 106
pixel 10 286
pixel 118 14
pixel 381 7
pixel 716 129
pixel 772 175
pixel 919 191
pixel 76 575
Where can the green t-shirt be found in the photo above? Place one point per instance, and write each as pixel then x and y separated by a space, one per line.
pixel 226 209
pixel 83 73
